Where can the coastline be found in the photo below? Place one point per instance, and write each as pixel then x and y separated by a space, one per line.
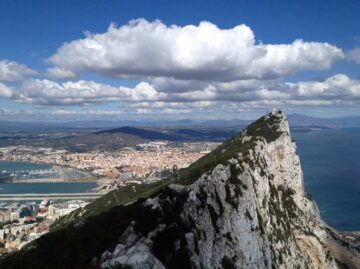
pixel 88 177
pixel 48 180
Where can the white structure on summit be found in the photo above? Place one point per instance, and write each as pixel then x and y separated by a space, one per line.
pixel 275 110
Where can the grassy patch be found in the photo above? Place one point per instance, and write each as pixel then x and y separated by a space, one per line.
pixel 117 197
pixel 263 127
pixel 74 247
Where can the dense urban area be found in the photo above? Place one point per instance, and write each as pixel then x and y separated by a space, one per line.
pixel 144 161
pixel 22 222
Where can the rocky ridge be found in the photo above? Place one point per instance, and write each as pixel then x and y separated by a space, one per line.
pixel 244 207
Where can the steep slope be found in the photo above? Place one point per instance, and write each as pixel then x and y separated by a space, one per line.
pixel 241 206
pixel 247 209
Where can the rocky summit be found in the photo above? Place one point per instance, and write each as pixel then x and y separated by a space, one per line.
pixel 241 206
pixel 249 210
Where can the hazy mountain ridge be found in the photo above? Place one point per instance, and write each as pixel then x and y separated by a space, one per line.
pixel 81 136
pixel 114 139
pixel 295 120
pixel 341 122
pixel 142 133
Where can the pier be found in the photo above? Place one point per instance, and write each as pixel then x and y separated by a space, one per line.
pixel 54 196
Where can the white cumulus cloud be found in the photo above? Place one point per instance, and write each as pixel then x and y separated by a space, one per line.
pixel 354 55
pixel 144 49
pixel 5 91
pixel 46 92
pixel 59 73
pixel 12 71
pixel 183 68
pixel 337 89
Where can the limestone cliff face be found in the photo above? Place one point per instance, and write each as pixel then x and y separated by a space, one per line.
pixel 246 210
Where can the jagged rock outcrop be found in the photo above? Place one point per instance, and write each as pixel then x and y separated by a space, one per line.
pixel 247 209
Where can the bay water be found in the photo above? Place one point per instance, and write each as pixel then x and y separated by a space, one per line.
pixel 7 167
pixel 330 161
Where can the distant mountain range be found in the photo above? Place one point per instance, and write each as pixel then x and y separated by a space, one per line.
pixel 142 133
pixel 116 138
pixel 295 120
pixel 303 120
pixel 175 134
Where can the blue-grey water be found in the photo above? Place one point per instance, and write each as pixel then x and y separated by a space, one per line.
pixel 331 164
pixel 7 167
pixel 58 187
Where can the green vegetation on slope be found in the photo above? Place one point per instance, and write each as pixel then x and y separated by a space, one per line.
pixel 74 247
pixel 75 239
pixel 263 127
pixel 121 196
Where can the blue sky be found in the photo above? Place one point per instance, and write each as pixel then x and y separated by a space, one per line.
pixel 33 31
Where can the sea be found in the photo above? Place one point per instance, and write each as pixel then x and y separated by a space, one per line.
pixel 10 166
pixel 7 167
pixel 330 160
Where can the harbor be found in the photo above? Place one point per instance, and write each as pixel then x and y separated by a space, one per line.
pixel 53 196
pixel 21 172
